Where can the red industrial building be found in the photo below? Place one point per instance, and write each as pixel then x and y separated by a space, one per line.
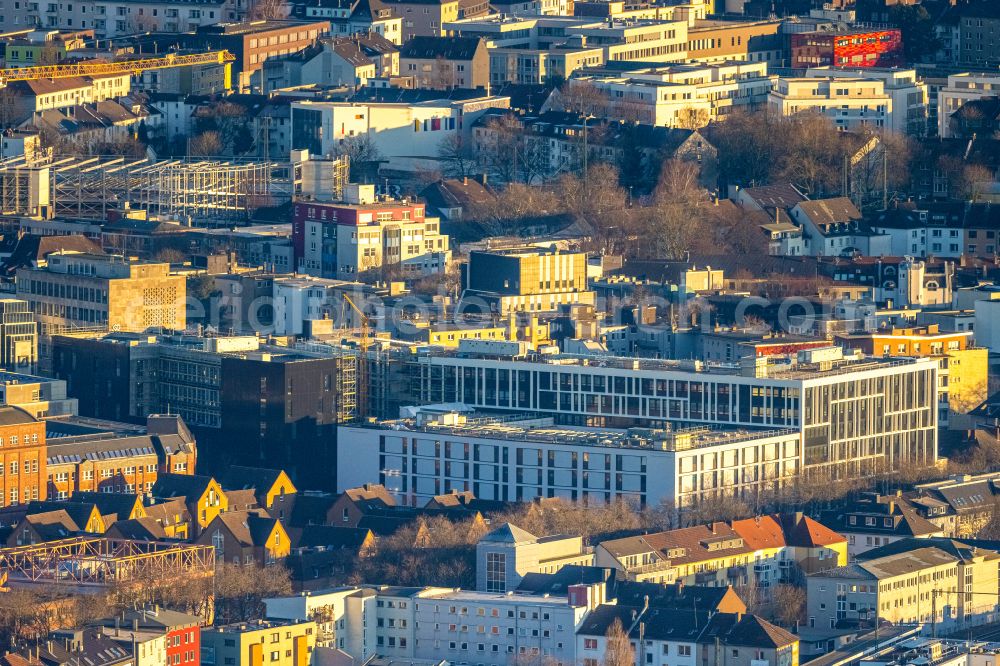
pixel 855 48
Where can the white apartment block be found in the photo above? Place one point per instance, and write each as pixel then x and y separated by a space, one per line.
pixel 463 627
pixel 522 461
pixel 680 95
pixel 963 88
pixel 409 136
pixel 852 413
pixel 117 18
pixel 908 94
pixel 849 103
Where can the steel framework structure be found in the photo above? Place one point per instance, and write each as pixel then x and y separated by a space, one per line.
pixel 201 192
pixel 98 561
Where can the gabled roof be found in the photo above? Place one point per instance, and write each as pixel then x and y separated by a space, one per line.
pixel 676 597
pixel 446 48
pixel 80 512
pixel 140 529
pixel 250 528
pixel 330 537
pixel 779 195
pixel 836 210
pixel 457 193
pixel 310 509
pixel 689 544
pixel 260 479
pixel 169 512
pixel 52 525
pixel 32 249
pixel 110 504
pixel 754 631
pixel 189 486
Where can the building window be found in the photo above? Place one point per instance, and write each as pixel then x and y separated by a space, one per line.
pixel 496 572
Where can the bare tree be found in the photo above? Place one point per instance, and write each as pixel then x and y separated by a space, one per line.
pixel 789 604
pixel 512 209
pixel 458 156
pixel 364 156
pixel 618 649
pixel 206 144
pixel 265 10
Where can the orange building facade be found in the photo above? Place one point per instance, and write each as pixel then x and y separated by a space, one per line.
pixel 22 457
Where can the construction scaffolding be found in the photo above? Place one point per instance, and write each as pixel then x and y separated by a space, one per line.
pixel 101 562
pixel 197 192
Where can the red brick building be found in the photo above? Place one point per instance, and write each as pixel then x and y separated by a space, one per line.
pixel 855 48
pixel 22 457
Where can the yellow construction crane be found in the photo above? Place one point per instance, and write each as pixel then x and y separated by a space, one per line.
pixel 361 394
pixel 100 68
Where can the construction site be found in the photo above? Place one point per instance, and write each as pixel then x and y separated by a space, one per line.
pixel 97 564
pixel 202 192
pixel 194 191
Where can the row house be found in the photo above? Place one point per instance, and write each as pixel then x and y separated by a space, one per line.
pixel 98 462
pixel 766 551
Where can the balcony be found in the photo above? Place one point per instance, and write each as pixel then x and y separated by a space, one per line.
pixel 705 577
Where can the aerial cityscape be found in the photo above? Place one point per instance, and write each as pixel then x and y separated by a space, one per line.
pixel 500 332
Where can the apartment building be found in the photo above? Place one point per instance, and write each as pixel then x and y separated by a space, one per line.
pixel 118 18
pixel 874 520
pixel 960 89
pixel 663 634
pixel 908 94
pixel 962 374
pixel 853 48
pixel 251 402
pixel 444 63
pixel 723 40
pixel 254 42
pixel 523 459
pixel 539 66
pixel 103 291
pixel 946 584
pixel 103 461
pixel 687 96
pixel 435 623
pixel 278 643
pixel 534 49
pixel 506 554
pixel 819 393
pixel 979 35
pixel 763 551
pixel 38 95
pixel 365 236
pixel 850 103
pixel 22 457
pixel 428 18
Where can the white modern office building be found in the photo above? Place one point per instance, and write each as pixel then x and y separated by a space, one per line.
pixel 521 460
pixel 853 414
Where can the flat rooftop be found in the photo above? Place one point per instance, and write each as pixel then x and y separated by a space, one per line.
pixel 540 430
pixel 782 367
